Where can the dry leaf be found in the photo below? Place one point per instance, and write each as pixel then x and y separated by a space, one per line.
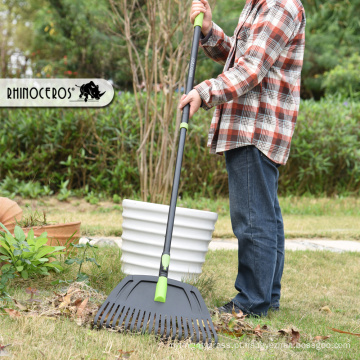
pixel 320 338
pixel 20 306
pixel 257 331
pixel 238 315
pixel 77 302
pixel 340 331
pixel 295 337
pixel 285 331
pixel 325 309
pixel 13 313
pixel 124 354
pixel 66 301
pixel 82 307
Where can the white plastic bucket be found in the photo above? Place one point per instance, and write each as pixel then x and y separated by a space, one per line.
pixel 144 227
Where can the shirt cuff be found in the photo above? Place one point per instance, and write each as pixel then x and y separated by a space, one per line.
pixel 201 89
pixel 204 39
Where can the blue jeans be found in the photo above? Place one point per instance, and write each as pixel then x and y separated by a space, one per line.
pixel 257 223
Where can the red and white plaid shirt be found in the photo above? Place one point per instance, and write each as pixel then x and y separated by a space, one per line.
pixel 258 94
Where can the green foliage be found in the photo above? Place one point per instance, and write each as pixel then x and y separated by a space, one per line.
pixel 331 36
pixel 69 149
pixel 80 260
pixel 325 154
pixel 344 79
pixel 72 39
pixel 11 186
pixel 92 152
pixel 116 199
pixel 27 255
pixel 7 273
pixel 32 218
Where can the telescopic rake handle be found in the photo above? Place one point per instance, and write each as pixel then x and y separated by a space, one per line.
pixel 160 294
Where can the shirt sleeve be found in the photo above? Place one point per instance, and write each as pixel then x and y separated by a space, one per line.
pixel 216 44
pixel 268 36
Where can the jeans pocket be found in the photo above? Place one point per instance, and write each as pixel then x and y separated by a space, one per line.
pixel 266 159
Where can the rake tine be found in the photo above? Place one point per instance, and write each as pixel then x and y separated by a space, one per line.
pixel 200 321
pixel 122 317
pixel 102 308
pixel 134 319
pixel 142 313
pixel 208 331
pixel 178 318
pixel 185 328
pixel 117 311
pixel 128 318
pixel 146 318
pixel 173 321
pixel 152 316
pixel 196 330
pixel 191 329
pixel 168 328
pixel 157 323
pixel 162 325
pixel 214 332
pixel 110 314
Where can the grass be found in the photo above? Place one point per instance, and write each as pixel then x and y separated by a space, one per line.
pixel 311 281
pixel 304 217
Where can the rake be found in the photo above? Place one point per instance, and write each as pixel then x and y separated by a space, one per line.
pixel 149 304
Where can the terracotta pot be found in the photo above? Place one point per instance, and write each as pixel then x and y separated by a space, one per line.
pixel 10 211
pixel 58 234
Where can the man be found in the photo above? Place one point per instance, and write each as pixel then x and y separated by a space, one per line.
pixel 257 100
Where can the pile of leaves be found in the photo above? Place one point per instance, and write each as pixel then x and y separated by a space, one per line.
pixel 236 326
pixel 79 302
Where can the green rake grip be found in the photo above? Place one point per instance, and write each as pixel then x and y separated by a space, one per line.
pixel 199 20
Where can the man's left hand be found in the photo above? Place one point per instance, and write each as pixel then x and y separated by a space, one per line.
pixel 193 98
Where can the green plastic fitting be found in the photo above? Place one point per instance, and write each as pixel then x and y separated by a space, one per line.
pixel 199 20
pixel 161 289
pixel 184 125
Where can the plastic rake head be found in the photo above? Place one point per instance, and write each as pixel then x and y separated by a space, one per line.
pixel 130 307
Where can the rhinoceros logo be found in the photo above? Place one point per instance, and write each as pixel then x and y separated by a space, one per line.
pixel 90 89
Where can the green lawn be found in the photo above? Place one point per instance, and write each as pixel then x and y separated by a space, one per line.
pixel 312 280
pixel 304 217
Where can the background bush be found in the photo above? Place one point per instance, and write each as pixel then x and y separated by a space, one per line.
pixel 93 151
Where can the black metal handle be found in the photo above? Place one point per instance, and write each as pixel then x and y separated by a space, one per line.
pixel 179 157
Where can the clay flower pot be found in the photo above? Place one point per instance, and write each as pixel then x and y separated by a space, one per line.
pixel 10 212
pixel 58 234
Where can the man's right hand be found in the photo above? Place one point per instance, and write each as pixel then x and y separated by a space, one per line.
pixel 198 7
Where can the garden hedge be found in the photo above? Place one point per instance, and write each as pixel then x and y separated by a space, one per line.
pixel 93 151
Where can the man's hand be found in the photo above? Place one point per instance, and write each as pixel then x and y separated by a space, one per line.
pixel 198 7
pixel 193 98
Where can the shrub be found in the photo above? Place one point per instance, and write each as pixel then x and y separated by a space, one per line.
pixel 27 255
pixel 325 154
pixel 92 152
pixel 344 79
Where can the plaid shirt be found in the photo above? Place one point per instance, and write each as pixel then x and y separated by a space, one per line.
pixel 258 94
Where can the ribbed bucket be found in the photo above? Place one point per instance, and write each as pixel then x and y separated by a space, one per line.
pixel 144 227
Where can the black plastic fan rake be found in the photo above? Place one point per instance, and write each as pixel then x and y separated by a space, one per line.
pixel 184 315
pixel 158 305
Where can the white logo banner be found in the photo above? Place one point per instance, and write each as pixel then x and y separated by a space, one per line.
pixel 55 93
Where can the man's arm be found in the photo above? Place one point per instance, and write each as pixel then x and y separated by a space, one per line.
pixel 267 38
pixel 216 44
pixel 213 40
